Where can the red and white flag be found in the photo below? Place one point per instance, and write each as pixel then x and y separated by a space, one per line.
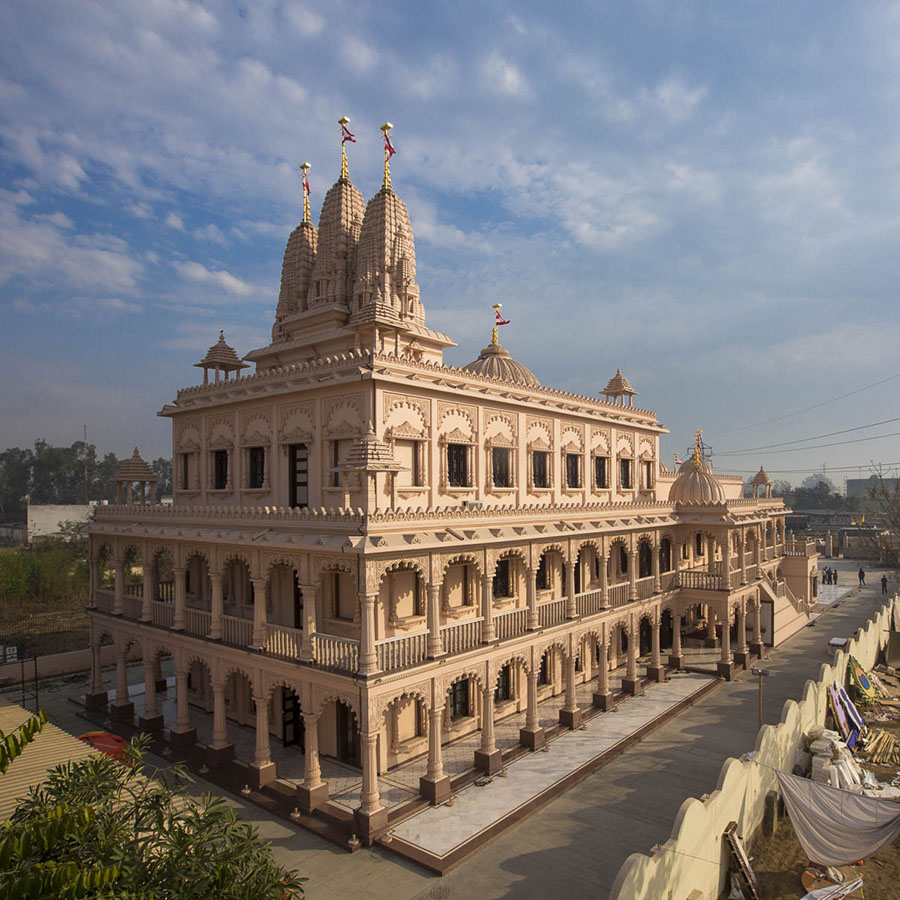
pixel 388 146
pixel 305 184
pixel 500 320
pixel 346 135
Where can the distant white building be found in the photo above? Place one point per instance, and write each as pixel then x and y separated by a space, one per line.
pixel 43 521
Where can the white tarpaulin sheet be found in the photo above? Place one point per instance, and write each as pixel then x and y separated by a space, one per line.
pixel 837 827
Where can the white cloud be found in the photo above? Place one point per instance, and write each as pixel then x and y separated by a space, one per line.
pixel 503 77
pixel 195 271
pixel 173 220
pixel 304 21
pixel 210 233
pixel 60 220
pixel 676 100
pixel 359 55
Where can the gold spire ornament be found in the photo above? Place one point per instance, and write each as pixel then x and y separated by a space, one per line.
pixel 344 121
pixel 389 151
pixel 498 321
pixel 698 443
pixel 304 168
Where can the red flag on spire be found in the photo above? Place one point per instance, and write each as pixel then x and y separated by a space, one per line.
pixel 388 146
pixel 500 319
pixel 305 184
pixel 346 135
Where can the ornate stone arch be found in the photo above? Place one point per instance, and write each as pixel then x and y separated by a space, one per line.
pixel 405 416
pixel 456 418
pixel 236 668
pixel 381 704
pixel 343 416
pixel 500 431
pixel 476 674
pixel 322 695
pixel 495 554
pixel 624 446
pixel 187 436
pixel 496 665
pixel 256 428
pixel 551 644
pixel 269 563
pixel 571 439
pixel 191 656
pixel 220 433
pixel 462 558
pixel 232 554
pixel 297 423
pixel 599 441
pixel 270 682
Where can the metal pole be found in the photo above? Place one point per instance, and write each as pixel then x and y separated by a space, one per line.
pixel 37 695
pixel 760 698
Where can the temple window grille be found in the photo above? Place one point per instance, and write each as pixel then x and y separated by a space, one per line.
pixel 220 470
pixel 544 670
pixel 601 472
pixel 257 467
pixel 459 700
pixel 458 465
pixel 542 577
pixel 501 466
pixel 540 468
pixel 573 470
pixel 647 466
pixel 502 580
pixel 503 691
pixel 625 474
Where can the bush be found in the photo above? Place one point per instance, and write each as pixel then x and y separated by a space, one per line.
pixel 48 576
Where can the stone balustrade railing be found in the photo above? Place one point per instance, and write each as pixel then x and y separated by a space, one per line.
pixel 699 581
pixel 461 636
pixel 511 623
pixel 551 612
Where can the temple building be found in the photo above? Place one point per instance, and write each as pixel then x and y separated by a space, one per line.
pixel 372 554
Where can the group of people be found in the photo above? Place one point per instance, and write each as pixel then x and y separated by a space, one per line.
pixel 830 576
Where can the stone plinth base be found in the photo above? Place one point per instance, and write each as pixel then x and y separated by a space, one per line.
pixel 603 701
pixel 489 762
pixel 182 737
pixel 151 723
pixel 96 701
pixel 218 756
pixel 632 686
pixel 656 673
pixel 758 649
pixel 532 738
pixel 710 643
pixel 742 658
pixel 725 669
pixel 676 660
pixel 570 718
pixel 260 776
pixel 435 791
pixel 313 798
pixel 121 710
pixel 161 685
pixel 371 825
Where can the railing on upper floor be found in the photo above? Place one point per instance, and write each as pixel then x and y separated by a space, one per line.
pixel 133 607
pixel 401 651
pixel 645 587
pixel 551 612
pixel 799 548
pixel 135 590
pixel 105 600
pixel 283 642
pixel 618 594
pixel 667 581
pixel 237 631
pixel 162 614
pixel 588 603
pixel 340 654
pixel 510 624
pixel 197 621
pixel 165 590
pixel 700 581
pixel 461 636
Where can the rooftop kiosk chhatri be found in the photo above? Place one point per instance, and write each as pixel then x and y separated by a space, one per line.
pixel 371 553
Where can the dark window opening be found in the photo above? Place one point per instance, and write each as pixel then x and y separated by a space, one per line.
pixel 459 700
pixel 220 470
pixel 501 465
pixel 542 578
pixel 540 468
pixel 665 555
pixel 458 465
pixel 623 560
pixel 698 543
pixel 645 560
pixel 601 471
pixel 257 461
pixel 185 471
pixel 648 473
pixel 625 474
pixel 544 670
pixel 299 475
pixel 503 691
pixel 573 470
pixel 502 580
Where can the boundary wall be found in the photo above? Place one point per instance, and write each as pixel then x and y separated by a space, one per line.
pixel 693 863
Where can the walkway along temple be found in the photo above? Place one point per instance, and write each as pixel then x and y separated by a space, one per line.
pixel 371 553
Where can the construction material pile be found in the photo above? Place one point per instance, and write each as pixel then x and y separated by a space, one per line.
pixel 881 748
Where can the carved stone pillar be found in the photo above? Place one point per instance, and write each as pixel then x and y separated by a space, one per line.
pixel 631 684
pixel 119 591
pixel 725 666
pixel 488 758
pixel 571 611
pixel 368 661
pixel 122 707
pixel 487 609
pixel 371 817
pixel 217 606
pixel 742 651
pixel 532 735
pixel 307 646
pixel 434 785
pixel 604 582
pixel 150 720
pixel 182 733
pixel 657 581
pixel 632 575
pixel 531 590
pixel 313 792
pixel 676 656
pixel 656 670
pixel 262 770
pixel 178 621
pixel 757 646
pixel 603 698
pixel 435 646
pixel 220 750
pixel 570 715
pixel 95 580
pixel 97 697
pixel 259 612
pixel 148 590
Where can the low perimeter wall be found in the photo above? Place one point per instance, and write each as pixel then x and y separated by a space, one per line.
pixel 60 664
pixel 694 862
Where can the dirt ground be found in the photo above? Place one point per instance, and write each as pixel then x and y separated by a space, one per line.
pixel 779 860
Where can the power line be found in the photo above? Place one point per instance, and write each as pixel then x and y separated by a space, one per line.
pixel 876 437
pixel 817 437
pixel 809 408
pixel 866 465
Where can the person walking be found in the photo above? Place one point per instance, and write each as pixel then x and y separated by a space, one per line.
pixel 862 576
pixel 834 576
pixel 884 584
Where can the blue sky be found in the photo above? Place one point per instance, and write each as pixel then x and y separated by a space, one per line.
pixel 705 194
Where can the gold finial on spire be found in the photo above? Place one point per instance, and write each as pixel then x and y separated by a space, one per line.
pixel 344 121
pixel 698 444
pixel 496 308
pixel 304 168
pixel 389 151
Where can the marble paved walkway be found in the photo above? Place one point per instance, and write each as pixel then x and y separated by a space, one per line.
pixel 439 830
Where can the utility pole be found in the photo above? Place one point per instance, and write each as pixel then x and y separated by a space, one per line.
pixel 86 495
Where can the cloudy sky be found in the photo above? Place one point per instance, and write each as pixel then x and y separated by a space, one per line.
pixel 705 194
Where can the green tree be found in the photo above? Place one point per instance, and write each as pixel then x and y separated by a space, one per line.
pixel 139 832
pixel 162 468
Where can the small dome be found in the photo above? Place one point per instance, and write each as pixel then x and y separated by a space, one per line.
pixel 696 484
pixel 618 386
pixel 495 362
pixel 134 469
pixel 761 477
